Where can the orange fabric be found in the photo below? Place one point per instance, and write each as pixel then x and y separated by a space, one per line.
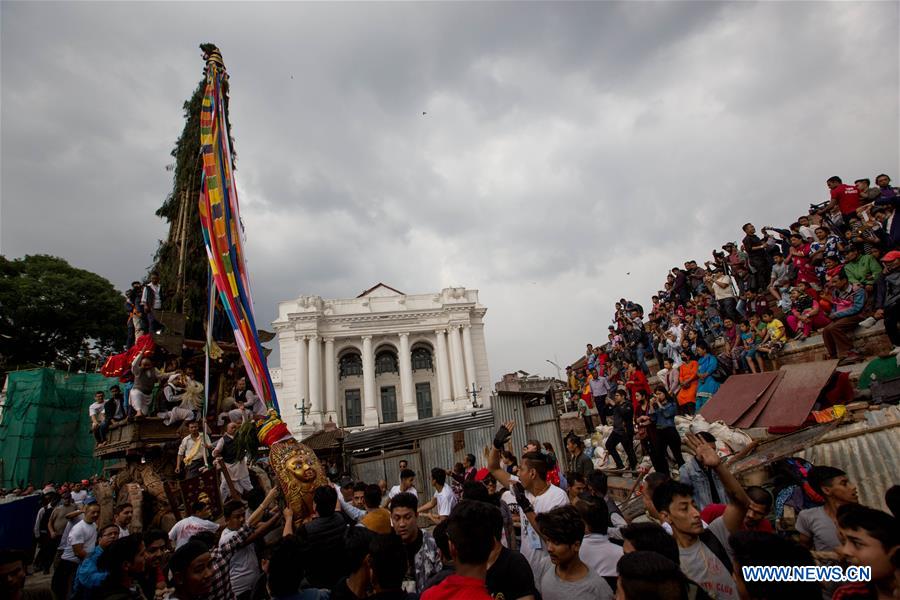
pixel 688 393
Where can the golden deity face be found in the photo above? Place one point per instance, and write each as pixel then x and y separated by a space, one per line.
pixel 302 467
pixel 299 474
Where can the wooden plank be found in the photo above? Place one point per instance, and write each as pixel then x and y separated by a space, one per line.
pixel 736 396
pixel 795 396
pixel 749 417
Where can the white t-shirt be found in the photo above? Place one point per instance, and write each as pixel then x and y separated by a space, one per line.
pixel 244 569
pixel 600 555
pixel 79 497
pixel 532 546
pixel 157 301
pixel 446 500
pixel 83 533
pixel 702 566
pixel 396 490
pixel 96 410
pixel 185 528
pixel 123 532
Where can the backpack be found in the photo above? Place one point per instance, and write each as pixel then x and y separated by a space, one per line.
pixel 723 371
pixel 709 539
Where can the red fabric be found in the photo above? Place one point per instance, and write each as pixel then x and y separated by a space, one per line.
pixel 841 392
pixel 278 432
pixel 847 197
pixel 637 381
pixel 713 511
pixel 457 587
pixel 119 365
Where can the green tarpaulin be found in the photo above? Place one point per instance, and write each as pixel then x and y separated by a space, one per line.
pixel 45 432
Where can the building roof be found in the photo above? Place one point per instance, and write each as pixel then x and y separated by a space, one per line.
pixel 382 286
pixel 405 433
pixel 325 439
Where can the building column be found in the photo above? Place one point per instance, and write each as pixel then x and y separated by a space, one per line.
pixel 330 381
pixel 370 412
pixel 469 357
pixel 457 366
pixel 315 381
pixel 302 376
pixel 443 367
pixel 407 392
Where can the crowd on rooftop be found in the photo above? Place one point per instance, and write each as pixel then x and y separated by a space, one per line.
pixel 829 272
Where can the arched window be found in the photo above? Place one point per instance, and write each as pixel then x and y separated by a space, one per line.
pixel 385 362
pixel 351 365
pixel 421 359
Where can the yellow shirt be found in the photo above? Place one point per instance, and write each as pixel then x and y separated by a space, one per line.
pixel 776 330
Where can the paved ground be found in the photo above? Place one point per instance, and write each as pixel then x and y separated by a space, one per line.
pixel 38 581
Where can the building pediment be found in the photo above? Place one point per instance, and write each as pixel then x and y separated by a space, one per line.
pixel 381 290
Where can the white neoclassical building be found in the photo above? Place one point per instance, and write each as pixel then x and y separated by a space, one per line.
pixel 382 357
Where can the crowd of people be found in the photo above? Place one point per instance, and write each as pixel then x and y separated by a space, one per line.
pixel 829 272
pixel 505 530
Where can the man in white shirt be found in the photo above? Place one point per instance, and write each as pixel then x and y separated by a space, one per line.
pixel 407 479
pixel 95 412
pixel 444 498
pixel 192 451
pixel 199 521
pixel 243 569
pixel 122 515
pixel 533 494
pixel 151 302
pixel 81 542
pixel 79 494
pixel 596 551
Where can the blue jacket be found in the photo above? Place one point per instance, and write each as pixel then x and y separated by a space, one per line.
pixel 665 416
pixel 855 293
pixel 88 577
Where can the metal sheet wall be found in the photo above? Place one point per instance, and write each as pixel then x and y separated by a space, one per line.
pixel 509 407
pixel 870 461
pixel 542 424
pixel 476 441
pixel 437 451
pixel 386 467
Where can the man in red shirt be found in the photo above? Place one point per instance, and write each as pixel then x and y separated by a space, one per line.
pixel 471 544
pixel 755 519
pixel 843 196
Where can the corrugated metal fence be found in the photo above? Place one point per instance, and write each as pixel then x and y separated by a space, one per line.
pixel 444 441
pixel 868 451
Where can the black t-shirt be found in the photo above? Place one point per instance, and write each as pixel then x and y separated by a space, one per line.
pixel 342 592
pixel 750 242
pixel 110 407
pixel 510 577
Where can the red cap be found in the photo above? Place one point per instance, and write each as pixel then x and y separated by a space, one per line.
pixel 481 474
pixel 892 255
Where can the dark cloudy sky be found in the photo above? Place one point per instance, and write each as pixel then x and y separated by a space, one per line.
pixel 564 145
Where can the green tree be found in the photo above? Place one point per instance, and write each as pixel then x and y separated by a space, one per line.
pixel 54 314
